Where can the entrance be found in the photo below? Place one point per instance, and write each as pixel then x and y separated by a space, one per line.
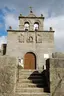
pixel 29 61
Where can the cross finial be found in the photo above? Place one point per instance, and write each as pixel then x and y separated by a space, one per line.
pixel 31 9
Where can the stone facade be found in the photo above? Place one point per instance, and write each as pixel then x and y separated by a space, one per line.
pixel 40 42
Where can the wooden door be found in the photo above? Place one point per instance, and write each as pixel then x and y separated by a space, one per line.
pixel 29 61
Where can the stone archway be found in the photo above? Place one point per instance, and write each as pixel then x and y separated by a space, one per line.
pixel 30 61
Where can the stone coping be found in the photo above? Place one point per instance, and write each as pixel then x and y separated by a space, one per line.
pixel 27 31
pixel 31 17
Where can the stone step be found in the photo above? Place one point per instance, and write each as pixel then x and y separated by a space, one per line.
pixel 24 85
pixel 33 94
pixel 28 72
pixel 30 81
pixel 30 90
pixel 30 77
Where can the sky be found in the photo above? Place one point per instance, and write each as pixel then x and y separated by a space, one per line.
pixel 52 10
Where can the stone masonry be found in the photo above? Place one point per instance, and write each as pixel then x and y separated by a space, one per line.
pixel 40 42
pixel 7 75
pixel 57 74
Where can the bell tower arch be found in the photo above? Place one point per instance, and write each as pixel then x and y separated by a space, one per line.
pixel 32 19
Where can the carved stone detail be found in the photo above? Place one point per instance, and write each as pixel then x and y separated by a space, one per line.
pixel 21 38
pixel 30 39
pixel 39 38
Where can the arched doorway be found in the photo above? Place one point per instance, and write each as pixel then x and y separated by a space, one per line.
pixel 29 61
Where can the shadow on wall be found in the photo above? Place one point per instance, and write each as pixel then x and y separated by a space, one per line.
pixel 47 75
pixel 4 49
pixel 42 80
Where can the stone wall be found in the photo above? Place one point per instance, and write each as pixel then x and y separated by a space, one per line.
pixel 58 55
pixel 56 69
pixel 7 75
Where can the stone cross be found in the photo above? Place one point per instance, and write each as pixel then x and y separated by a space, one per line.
pixel 30 9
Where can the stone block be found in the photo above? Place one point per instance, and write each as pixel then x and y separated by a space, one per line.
pixel 56 76
pixel 57 55
pixel 56 63
pixel 7 75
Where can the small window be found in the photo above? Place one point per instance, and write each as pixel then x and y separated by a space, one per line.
pixel 26 26
pixel 36 26
pixel 4 49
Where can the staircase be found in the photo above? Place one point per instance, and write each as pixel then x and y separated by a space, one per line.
pixel 30 83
